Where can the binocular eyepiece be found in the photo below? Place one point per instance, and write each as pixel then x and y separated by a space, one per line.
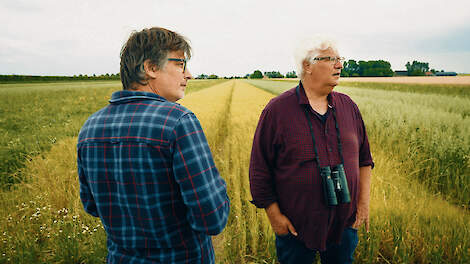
pixel 335 185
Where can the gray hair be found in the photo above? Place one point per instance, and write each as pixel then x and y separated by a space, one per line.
pixel 309 48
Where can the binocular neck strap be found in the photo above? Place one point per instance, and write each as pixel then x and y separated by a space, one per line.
pixel 308 116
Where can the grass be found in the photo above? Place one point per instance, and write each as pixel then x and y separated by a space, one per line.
pixel 43 221
pixel 427 137
pixel 33 117
pixel 428 133
pixel 455 90
pixel 248 236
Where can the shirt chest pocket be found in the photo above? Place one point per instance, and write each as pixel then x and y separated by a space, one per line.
pixel 296 161
pixel 298 146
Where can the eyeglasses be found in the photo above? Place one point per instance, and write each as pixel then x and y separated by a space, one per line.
pixel 184 61
pixel 330 59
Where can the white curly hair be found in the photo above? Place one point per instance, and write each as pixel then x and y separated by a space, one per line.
pixel 309 48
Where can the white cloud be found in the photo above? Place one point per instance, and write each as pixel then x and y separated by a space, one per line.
pixel 236 37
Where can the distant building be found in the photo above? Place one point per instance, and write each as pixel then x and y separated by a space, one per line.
pixel 401 73
pixel 428 73
pixel 446 74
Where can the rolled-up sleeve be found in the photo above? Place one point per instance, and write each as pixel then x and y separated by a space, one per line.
pixel 365 157
pixel 202 189
pixel 262 160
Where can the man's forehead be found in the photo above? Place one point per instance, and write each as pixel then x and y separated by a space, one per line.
pixel 177 54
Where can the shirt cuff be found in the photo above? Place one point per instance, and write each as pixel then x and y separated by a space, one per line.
pixel 263 203
pixel 367 163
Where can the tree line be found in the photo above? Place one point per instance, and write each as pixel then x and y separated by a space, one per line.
pixel 351 68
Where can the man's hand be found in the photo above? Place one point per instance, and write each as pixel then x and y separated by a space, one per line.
pixel 362 217
pixel 280 223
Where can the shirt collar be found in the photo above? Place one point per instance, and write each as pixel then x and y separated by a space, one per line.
pixel 304 100
pixel 125 96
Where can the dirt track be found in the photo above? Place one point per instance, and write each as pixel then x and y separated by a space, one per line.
pixel 420 79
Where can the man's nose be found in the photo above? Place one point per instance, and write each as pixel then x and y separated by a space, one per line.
pixel 338 65
pixel 187 74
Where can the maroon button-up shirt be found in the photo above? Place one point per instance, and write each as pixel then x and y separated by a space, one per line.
pixel 283 167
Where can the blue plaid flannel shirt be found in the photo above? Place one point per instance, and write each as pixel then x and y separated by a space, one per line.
pixel 146 170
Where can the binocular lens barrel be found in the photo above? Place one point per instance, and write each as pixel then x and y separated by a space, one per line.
pixel 328 186
pixel 343 194
pixel 335 185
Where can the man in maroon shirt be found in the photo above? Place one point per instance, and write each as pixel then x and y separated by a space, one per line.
pixel 300 133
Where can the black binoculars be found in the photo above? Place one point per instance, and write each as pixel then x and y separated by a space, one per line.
pixel 335 185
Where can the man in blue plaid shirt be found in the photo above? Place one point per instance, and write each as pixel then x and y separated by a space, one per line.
pixel 144 164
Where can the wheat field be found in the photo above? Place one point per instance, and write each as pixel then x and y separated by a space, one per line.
pixel 42 220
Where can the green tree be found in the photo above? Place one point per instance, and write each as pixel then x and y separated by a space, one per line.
pixel 274 74
pixel 350 68
pixel 256 75
pixel 417 68
pixel 202 76
pixel 291 74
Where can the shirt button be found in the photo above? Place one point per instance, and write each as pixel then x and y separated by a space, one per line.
pixel 329 149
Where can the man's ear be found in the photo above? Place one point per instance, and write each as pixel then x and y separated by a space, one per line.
pixel 150 69
pixel 305 65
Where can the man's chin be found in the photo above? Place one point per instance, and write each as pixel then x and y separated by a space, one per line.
pixel 181 96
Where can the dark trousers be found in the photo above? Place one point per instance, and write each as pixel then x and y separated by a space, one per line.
pixel 292 251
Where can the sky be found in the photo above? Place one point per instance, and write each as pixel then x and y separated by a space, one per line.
pixel 231 38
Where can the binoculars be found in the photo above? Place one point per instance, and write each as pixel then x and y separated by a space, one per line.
pixel 335 185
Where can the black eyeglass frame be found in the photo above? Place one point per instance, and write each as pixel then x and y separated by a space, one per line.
pixel 184 61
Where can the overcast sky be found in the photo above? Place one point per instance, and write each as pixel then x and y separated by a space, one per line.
pixel 50 37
